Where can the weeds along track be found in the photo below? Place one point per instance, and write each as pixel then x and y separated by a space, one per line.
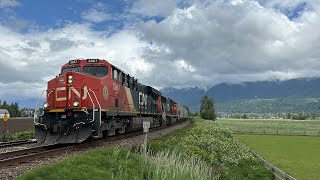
pixel 16 143
pixel 11 158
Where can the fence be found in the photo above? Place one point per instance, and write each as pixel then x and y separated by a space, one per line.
pixel 276 132
pixel 279 174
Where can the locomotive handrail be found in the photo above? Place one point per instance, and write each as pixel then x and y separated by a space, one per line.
pixel 35 109
pixel 92 111
pixel 97 103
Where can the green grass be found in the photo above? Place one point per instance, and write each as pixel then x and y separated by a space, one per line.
pixel 18 136
pixel 215 145
pixel 98 164
pixel 204 150
pixel 116 163
pixel 268 126
pixel 297 155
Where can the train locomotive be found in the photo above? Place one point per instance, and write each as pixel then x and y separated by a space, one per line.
pixel 92 98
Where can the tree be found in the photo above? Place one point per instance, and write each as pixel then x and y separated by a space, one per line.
pixel 13 108
pixel 207 110
pixel 289 116
pixel 244 116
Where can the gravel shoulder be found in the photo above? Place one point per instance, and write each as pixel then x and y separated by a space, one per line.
pixel 18 147
pixel 12 172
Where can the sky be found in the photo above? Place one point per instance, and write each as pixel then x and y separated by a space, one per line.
pixel 167 43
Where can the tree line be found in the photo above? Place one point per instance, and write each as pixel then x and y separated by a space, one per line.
pixel 273 106
pixel 13 108
pixel 294 116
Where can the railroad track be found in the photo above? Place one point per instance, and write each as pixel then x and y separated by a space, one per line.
pixel 35 153
pixel 16 143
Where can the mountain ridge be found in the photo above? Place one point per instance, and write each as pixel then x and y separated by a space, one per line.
pixel 226 92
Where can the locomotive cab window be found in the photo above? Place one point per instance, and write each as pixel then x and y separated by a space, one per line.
pixel 97 71
pixel 115 74
pixel 120 76
pixel 70 69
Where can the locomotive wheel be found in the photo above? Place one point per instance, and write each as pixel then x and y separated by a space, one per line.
pixel 122 130
pixel 111 132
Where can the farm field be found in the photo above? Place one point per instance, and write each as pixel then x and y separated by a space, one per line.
pixel 272 126
pixel 15 125
pixel 297 155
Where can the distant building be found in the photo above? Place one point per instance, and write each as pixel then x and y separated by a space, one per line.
pixel 2 112
pixel 27 113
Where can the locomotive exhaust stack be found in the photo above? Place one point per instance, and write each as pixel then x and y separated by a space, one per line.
pixel 92 98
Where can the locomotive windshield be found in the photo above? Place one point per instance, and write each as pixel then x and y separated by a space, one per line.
pixel 70 69
pixel 98 71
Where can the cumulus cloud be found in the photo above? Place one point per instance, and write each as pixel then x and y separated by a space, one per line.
pixel 199 45
pixel 241 39
pixel 37 57
pixel 8 3
pixel 96 14
pixel 152 8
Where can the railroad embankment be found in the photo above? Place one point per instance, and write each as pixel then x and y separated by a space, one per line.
pixel 203 150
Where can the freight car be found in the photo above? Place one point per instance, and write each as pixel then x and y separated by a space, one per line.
pixel 93 98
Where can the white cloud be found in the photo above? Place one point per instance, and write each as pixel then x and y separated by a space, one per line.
pixel 182 65
pixel 96 14
pixel 152 8
pixel 240 39
pixel 20 90
pixel 204 44
pixel 33 58
pixel 8 3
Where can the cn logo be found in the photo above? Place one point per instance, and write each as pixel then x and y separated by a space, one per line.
pixel 71 90
pixel 142 99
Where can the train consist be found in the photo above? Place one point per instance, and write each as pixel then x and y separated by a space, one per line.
pixel 93 98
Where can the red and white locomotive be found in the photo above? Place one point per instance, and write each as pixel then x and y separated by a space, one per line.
pixel 93 98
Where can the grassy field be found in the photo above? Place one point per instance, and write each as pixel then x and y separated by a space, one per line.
pixel 272 126
pixel 297 155
pixel 204 150
pixel 15 125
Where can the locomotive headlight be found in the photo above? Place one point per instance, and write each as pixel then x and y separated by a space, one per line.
pixel 45 105
pixel 70 79
pixel 75 104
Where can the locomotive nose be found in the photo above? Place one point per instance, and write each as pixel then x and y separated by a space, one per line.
pixel 77 135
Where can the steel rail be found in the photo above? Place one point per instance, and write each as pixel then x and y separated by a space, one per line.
pixel 16 143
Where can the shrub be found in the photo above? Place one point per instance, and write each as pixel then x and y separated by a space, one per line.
pixel 215 145
pixel 18 136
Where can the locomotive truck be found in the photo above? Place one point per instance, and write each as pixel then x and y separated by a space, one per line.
pixel 93 98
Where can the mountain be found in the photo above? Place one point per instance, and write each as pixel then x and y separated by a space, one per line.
pixel 295 88
pixel 224 92
pixel 187 96
pixel 274 106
